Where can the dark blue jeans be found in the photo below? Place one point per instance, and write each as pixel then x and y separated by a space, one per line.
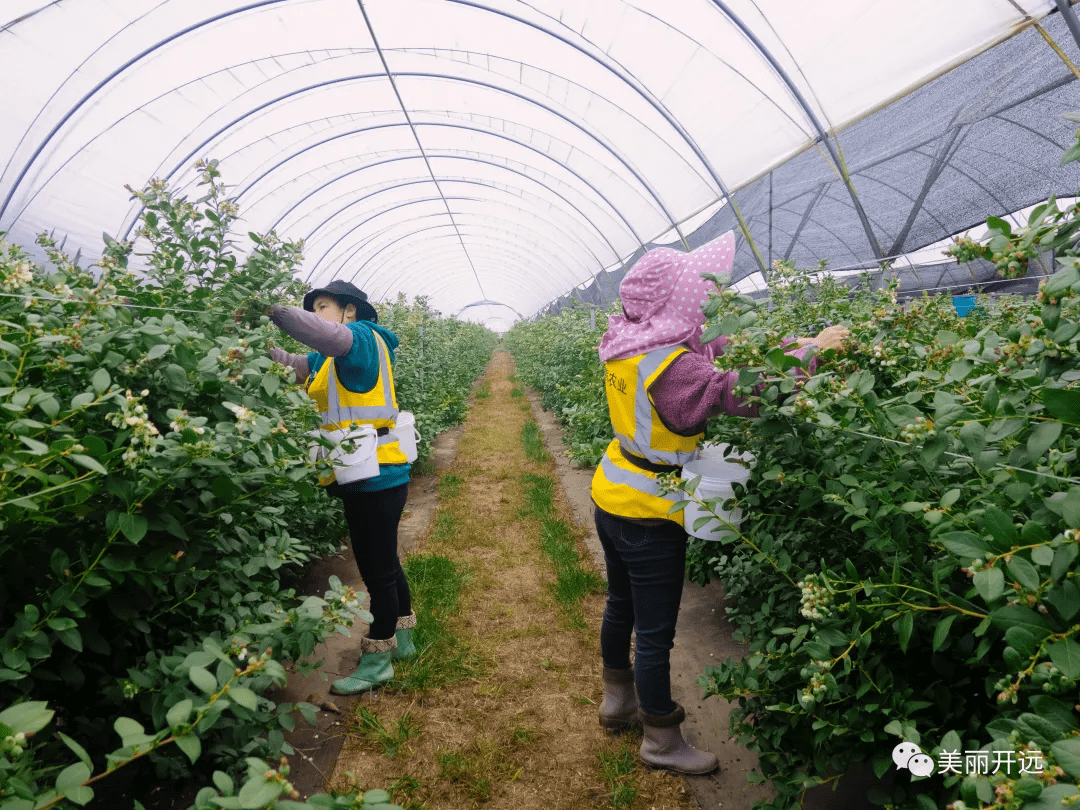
pixel 646 566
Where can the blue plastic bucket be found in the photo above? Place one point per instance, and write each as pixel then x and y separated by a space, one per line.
pixel 963 304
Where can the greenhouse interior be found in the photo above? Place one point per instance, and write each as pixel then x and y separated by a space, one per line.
pixel 394 389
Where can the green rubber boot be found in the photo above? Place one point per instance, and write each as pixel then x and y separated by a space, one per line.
pixel 374 669
pixel 405 647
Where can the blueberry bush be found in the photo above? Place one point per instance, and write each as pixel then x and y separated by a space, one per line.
pixel 157 506
pixel 907 571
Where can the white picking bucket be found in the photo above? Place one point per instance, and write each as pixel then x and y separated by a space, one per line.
pixel 715 476
pixel 406 434
pixel 354 453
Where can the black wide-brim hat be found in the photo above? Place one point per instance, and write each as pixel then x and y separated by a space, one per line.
pixel 349 292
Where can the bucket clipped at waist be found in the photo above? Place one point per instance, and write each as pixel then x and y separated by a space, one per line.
pixel 716 477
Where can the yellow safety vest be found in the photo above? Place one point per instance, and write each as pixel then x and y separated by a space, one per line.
pixel 341 408
pixel 622 484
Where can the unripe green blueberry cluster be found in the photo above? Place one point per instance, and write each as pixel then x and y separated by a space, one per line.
pixel 1052 680
pixel 816 598
pixel 880 357
pixel 921 428
pixel 13 745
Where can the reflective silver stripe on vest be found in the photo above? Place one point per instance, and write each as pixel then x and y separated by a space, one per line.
pixel 641 443
pixel 336 414
pixel 389 438
pixel 638 481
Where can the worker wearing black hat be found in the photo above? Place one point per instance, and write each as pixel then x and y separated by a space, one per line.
pixel 357 388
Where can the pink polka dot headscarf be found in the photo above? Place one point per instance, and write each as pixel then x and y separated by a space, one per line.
pixel 662 296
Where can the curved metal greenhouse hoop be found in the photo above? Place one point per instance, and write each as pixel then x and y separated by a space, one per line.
pixel 368 262
pixel 430 199
pixel 479 130
pixel 537 244
pixel 43 185
pixel 625 221
pixel 522 267
pixel 504 247
pixel 427 181
pixel 654 102
pixel 810 114
pixel 490 304
pixel 133 218
pixel 142 54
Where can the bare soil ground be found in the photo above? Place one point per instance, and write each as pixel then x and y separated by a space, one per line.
pixel 524 735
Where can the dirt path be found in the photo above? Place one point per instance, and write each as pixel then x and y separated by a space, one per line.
pixel 523 733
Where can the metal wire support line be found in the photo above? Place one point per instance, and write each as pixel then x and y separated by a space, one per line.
pixel 810 114
pixel 420 146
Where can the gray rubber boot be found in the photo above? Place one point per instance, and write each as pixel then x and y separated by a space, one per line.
pixel 618 709
pixel 663 745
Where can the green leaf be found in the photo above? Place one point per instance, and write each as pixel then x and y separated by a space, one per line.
pixel 128 729
pixel 224 783
pixel 1070 508
pixel 1053 797
pixel 271 383
pixel 967 546
pixel 1001 528
pixel 1066 656
pixel 973 435
pixel 941 631
pixel 1063 404
pixel 949 498
pixel 375 797
pixel 903 629
pixel 34 446
pixel 71 638
pixel 133 527
pixel 903 415
pixel 203 679
pixel 175 376
pixel 310 712
pixel 959 370
pixel 1021 640
pixel 80 752
pixel 1023 572
pixel 990 583
pixel 1037 729
pixel 1043 438
pixel 1026 618
pixel 1000 225
pixel 190 745
pixel 1027 787
pixel 157 351
pixel 1067 754
pixel 61 623
pixel 947 338
pixel 1065 598
pixel 89 463
pixel 243 696
pixel 258 792
pixel 179 713
pixel 72 777
pixel 28 718
pixel 1043 555
pixel 100 380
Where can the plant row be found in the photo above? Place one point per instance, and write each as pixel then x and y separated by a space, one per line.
pixel 157 508
pixel 907 571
